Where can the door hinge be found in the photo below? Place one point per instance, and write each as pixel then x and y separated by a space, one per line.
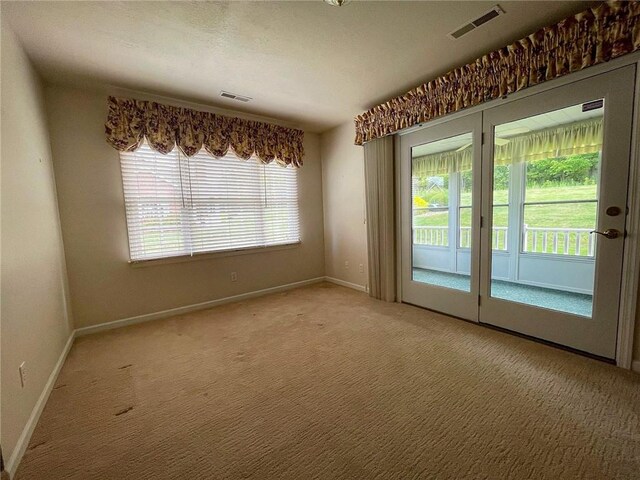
pixel 481 222
pixel 482 138
pixel 478 300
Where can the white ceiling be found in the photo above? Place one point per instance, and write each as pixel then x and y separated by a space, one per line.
pixel 303 62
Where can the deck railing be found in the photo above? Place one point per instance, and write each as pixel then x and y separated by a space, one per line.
pixel 433 236
pixel 563 241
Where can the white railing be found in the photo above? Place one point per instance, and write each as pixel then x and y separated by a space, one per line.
pixel 498 238
pixel 439 237
pixel 433 236
pixel 564 241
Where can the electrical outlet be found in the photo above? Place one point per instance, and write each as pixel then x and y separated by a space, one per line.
pixel 346 264
pixel 23 374
pixel 361 268
pixel 234 276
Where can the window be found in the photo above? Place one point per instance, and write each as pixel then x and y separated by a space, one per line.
pixel 178 205
pixel 431 210
pixel 561 204
pixel 500 223
pixel 465 200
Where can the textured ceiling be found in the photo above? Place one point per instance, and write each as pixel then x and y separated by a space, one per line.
pixel 305 62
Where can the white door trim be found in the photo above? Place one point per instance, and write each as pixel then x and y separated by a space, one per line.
pixel 631 256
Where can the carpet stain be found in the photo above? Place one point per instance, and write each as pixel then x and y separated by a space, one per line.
pixel 122 412
pixel 36 445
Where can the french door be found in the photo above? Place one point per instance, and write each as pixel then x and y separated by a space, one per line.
pixel 440 169
pixel 515 216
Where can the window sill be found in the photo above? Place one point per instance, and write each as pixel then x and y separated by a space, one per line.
pixel 211 255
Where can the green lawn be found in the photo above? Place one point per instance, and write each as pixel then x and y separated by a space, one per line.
pixel 580 215
pixel 572 215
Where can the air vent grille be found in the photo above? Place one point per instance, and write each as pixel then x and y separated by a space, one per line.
pixel 461 31
pixel 234 96
pixel 473 24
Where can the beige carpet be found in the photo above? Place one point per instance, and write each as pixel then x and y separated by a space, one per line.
pixel 324 383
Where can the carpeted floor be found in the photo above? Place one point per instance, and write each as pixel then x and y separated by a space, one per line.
pixel 324 383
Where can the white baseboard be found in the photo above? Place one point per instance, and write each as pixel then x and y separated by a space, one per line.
pixel 25 436
pixel 191 308
pixel 635 366
pixel 355 286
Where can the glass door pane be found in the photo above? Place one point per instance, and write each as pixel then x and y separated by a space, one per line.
pixel 546 172
pixel 441 188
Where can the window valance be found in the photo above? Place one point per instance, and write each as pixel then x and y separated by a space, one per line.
pixel 572 139
pixel 442 163
pixel 594 36
pixel 129 121
pixel 562 140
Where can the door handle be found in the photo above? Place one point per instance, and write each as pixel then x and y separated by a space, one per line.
pixel 608 233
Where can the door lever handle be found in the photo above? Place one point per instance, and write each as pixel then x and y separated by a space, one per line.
pixel 608 233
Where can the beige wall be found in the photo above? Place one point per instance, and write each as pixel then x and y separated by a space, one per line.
pixel 345 234
pixel 33 314
pixel 104 287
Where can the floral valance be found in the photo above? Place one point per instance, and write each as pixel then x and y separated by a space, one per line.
pixel 130 121
pixel 558 141
pixel 594 36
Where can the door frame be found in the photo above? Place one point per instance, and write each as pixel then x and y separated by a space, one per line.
pixel 631 257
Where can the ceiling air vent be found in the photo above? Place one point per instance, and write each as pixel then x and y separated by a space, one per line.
pixel 473 24
pixel 233 96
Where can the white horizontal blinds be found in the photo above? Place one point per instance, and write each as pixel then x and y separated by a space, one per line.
pixel 157 219
pixel 225 204
pixel 241 203
pixel 281 221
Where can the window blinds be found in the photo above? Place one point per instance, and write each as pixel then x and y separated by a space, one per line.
pixel 178 205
